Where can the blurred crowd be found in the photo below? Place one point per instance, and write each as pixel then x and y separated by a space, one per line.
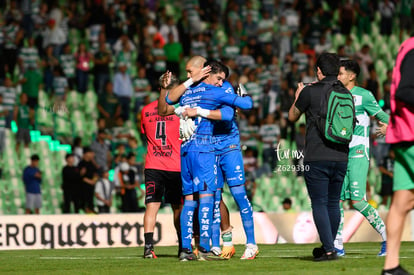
pixel 118 49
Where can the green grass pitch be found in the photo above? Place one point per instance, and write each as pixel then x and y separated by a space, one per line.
pixel 273 259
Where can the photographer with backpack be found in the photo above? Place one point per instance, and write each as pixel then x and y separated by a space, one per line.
pixel 330 117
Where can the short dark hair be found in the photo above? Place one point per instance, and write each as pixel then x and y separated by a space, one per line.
pixel 351 65
pixel 217 67
pixel 68 155
pixel 130 155
pixel 328 63
pixel 287 200
pixel 34 157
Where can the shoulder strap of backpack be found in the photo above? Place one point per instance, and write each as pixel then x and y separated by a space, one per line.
pixel 326 89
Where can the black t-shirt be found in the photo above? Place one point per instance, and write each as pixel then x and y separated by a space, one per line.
pixel 91 170
pixel 101 68
pixel 70 177
pixel 317 148
pixel 405 88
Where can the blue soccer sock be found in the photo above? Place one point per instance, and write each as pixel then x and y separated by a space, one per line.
pixel 205 217
pixel 186 223
pixel 215 238
pixel 246 212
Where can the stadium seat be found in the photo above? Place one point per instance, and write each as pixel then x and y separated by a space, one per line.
pixel 90 100
pixel 43 100
pixel 366 39
pixel 79 123
pixel 74 100
pixel 44 118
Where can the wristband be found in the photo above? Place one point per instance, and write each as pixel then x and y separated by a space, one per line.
pixel 203 112
pixel 188 83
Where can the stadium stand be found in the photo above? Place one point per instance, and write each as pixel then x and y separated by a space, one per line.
pixel 55 126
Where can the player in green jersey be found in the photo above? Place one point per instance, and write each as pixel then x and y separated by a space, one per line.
pixel 354 186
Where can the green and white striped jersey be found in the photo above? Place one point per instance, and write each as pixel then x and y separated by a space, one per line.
pixel 9 97
pixel 141 83
pixel 10 36
pixel 30 56
pixel 2 118
pixel 255 91
pixel 60 84
pixel 68 63
pixel 231 52
pixel 159 65
pixel 365 106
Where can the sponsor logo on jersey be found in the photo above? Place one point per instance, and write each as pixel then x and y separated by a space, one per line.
pixel 238 169
pixel 229 90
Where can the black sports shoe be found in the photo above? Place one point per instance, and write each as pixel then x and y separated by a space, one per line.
pixel 395 271
pixel 149 253
pixel 187 255
pixel 326 257
pixel 318 252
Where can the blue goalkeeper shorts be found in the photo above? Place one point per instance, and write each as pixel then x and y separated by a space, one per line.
pixel 231 169
pixel 198 172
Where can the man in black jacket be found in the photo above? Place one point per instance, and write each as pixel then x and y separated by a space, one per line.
pixel 325 162
pixel 71 185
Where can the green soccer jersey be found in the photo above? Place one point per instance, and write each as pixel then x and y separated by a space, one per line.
pixel 33 80
pixel 68 63
pixel 60 84
pixel 405 7
pixel 255 91
pixel 30 57
pixel 23 119
pixel 2 117
pixel 365 106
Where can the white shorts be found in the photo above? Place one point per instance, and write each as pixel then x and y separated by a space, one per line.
pixel 33 201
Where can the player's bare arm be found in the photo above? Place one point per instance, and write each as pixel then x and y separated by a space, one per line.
pixel 165 109
pixel 294 113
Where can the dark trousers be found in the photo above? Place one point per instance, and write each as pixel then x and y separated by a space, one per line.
pixel 10 58
pixel 88 195
pixel 130 201
pixel 99 82
pixel 103 209
pixel 125 106
pixel 48 79
pixel 324 183
pixel 82 79
pixel 70 196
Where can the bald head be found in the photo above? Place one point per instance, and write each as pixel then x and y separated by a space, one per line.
pixel 196 61
pixel 194 65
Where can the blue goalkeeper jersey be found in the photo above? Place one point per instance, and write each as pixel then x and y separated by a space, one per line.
pixel 211 98
pixel 226 135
